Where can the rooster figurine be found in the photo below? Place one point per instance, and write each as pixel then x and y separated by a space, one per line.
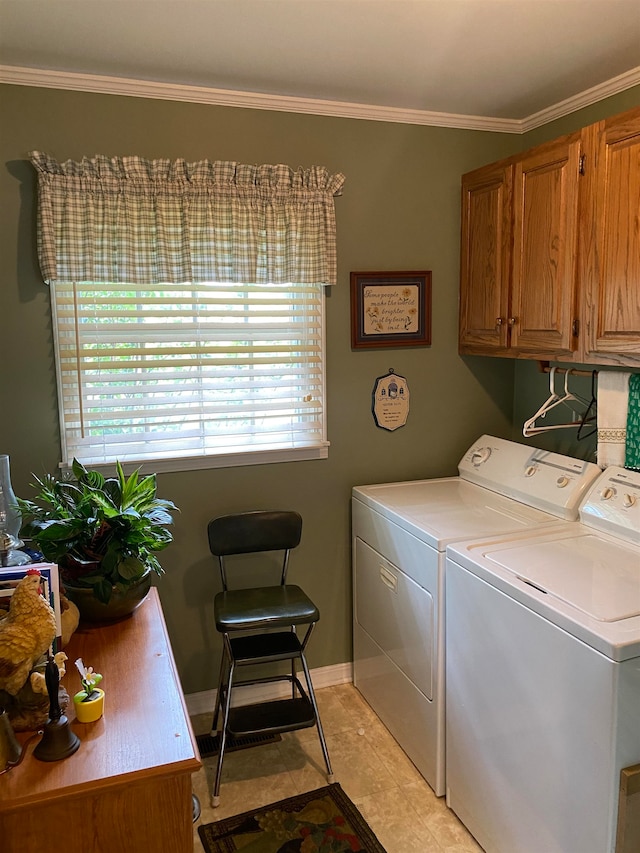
pixel 25 633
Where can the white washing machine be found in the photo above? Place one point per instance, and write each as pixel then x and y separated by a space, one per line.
pixel 400 532
pixel 543 677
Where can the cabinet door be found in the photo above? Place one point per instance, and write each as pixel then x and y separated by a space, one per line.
pixel 545 247
pixel 485 258
pixel 612 270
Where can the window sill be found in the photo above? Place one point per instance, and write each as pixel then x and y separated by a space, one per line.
pixel 222 460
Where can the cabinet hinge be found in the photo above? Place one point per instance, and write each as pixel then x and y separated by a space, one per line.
pixel 581 164
pixel 575 328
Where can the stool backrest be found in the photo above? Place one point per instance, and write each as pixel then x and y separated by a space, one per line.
pixel 251 532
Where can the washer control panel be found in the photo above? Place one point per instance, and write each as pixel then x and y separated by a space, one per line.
pixel 613 503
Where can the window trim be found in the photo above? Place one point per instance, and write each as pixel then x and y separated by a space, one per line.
pixel 222 460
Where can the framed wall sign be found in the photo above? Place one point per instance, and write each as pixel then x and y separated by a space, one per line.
pixel 390 309
pixel 390 401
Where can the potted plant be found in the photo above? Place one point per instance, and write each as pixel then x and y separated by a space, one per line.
pixel 103 534
pixel 88 702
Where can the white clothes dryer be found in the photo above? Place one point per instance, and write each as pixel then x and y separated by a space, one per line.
pixel 400 532
pixel 543 677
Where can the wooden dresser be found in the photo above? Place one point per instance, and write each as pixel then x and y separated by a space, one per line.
pixel 128 786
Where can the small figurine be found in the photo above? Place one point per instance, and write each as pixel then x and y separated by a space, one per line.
pixel 89 680
pixel 26 633
pixel 88 702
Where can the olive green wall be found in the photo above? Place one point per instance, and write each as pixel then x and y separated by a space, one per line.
pixel 531 388
pixel 400 210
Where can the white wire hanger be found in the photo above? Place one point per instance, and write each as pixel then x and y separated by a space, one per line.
pixel 554 400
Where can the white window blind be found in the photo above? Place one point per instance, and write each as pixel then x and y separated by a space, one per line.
pixel 186 371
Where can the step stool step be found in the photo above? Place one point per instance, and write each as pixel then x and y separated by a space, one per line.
pixel 278 715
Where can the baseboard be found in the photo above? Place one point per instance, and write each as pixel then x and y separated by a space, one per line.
pixel 324 676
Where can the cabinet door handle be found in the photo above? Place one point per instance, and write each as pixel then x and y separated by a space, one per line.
pixel 513 321
pixel 499 322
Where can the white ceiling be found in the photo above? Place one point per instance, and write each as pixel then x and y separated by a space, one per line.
pixel 507 59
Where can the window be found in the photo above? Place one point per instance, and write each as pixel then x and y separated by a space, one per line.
pixel 224 367
pixel 181 371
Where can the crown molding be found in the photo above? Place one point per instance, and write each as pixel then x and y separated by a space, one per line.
pixel 583 99
pixel 23 76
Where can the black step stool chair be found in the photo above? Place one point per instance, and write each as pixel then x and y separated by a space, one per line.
pixel 272 614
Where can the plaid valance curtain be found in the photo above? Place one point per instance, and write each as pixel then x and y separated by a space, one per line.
pixel 127 219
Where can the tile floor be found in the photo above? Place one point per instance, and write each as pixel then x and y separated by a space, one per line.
pixel 373 771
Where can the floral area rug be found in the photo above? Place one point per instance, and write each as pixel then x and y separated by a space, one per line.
pixel 320 821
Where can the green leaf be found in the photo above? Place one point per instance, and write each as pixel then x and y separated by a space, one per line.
pixel 102 590
pixel 129 488
pixel 155 565
pixel 94 479
pixel 105 506
pixel 130 568
pixel 79 471
pixel 145 496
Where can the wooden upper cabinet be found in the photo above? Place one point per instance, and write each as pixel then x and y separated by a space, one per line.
pixel 550 262
pixel 485 259
pixel 611 240
pixel 545 210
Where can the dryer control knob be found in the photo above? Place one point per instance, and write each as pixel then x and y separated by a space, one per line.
pixel 561 482
pixel 607 493
pixel 481 455
pixel 628 500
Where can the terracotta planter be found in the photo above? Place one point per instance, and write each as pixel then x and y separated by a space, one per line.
pixel 121 604
pixel 91 710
